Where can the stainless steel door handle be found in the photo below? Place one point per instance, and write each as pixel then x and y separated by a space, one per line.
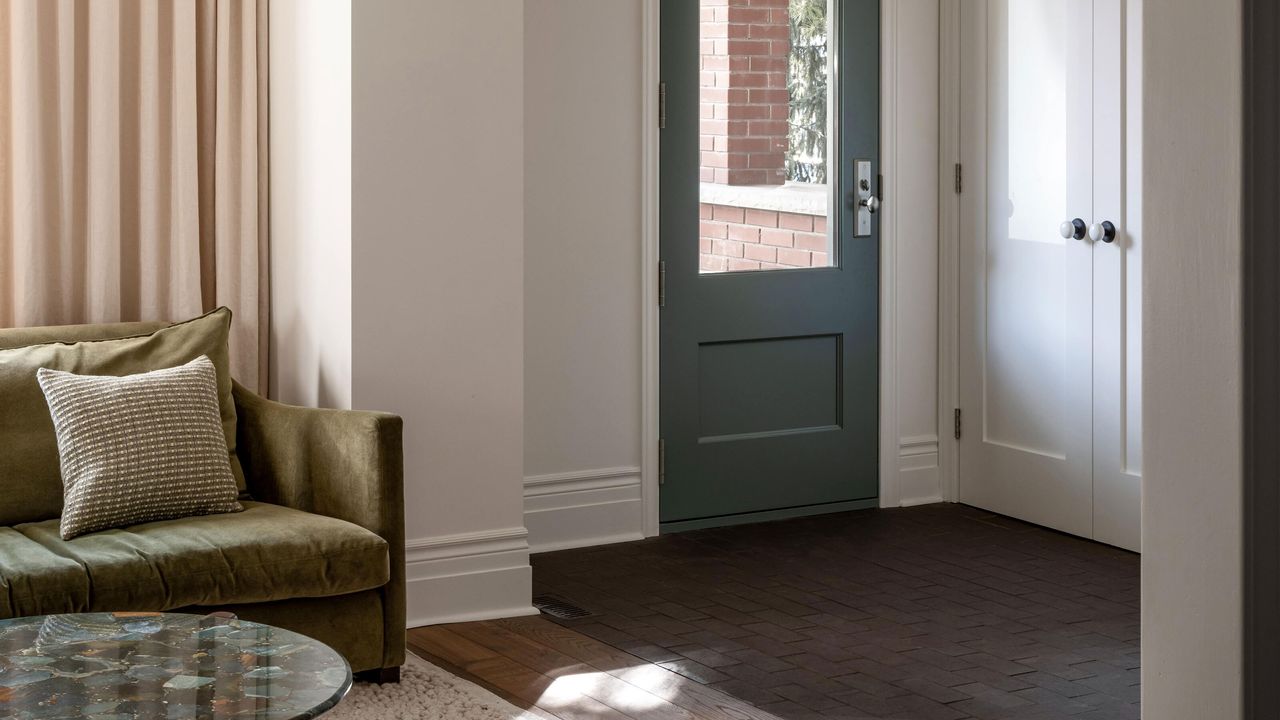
pixel 868 203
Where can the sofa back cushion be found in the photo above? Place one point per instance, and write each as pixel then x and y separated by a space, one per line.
pixel 30 477
pixel 22 337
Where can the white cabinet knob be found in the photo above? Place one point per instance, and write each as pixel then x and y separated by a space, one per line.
pixel 1104 231
pixel 1073 229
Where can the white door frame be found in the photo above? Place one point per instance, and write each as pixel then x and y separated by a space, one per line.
pixel 949 179
pixel 650 76
pixel 890 495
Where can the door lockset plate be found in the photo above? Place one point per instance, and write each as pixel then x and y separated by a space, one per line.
pixel 868 203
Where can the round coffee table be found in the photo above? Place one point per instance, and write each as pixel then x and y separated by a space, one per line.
pixel 127 666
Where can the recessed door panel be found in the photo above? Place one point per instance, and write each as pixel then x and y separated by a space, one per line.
pixel 1026 304
pixel 755 388
pixel 1026 323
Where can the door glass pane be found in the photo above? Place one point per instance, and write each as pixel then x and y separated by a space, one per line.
pixel 766 136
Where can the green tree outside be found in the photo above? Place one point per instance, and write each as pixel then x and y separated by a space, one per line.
pixel 807 85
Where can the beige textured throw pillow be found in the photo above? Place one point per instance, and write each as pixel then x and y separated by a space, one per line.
pixel 139 448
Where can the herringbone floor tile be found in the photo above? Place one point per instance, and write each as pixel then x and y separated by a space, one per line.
pixel 936 612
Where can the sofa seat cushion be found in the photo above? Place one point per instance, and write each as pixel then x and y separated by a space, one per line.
pixel 33 576
pixel 267 552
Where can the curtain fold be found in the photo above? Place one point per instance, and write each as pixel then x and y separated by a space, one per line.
pixel 133 165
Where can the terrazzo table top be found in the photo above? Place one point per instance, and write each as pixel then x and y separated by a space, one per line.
pixel 140 666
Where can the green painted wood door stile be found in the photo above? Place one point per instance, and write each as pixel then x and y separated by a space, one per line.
pixel 769 380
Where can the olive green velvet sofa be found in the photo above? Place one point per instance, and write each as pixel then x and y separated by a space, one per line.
pixel 318 549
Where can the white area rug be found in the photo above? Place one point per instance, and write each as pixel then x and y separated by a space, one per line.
pixel 425 692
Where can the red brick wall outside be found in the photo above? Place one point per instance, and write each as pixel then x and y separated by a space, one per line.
pixel 744 102
pixel 732 239
pixel 745 48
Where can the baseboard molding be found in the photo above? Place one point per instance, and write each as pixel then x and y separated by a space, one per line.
pixel 583 508
pixel 919 481
pixel 912 502
pixel 469 576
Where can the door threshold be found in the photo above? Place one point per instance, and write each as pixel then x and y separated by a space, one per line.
pixel 767 515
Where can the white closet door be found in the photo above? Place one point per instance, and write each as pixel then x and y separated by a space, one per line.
pixel 1027 296
pixel 1117 295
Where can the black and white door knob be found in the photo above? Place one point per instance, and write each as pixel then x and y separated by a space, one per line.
pixel 1073 229
pixel 1104 231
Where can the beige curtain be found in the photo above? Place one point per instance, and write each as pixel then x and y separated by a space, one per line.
pixel 133 164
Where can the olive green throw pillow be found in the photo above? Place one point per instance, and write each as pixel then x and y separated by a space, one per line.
pixel 139 448
pixel 30 481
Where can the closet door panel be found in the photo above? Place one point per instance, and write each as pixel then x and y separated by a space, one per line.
pixel 1117 483
pixel 1026 306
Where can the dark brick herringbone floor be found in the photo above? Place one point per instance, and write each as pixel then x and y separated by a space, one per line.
pixel 939 612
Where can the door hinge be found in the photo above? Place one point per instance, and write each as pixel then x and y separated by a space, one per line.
pixel 662 283
pixel 959 423
pixel 662 106
pixel 959 178
pixel 662 461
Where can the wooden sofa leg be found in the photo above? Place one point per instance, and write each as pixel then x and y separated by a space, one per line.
pixel 380 676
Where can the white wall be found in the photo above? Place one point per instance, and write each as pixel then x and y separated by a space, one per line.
pixel 1192 492
pixel 909 152
pixel 438 286
pixel 583 62
pixel 397 265
pixel 582 171
pixel 311 202
pixel 504 324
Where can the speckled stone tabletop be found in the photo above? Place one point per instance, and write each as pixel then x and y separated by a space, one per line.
pixel 139 666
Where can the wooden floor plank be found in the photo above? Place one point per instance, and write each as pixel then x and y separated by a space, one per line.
pixel 506 677
pixel 627 699
pixel 444 643
pixel 702 701
pixel 558 674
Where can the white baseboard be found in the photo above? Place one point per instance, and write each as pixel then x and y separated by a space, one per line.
pixel 583 508
pixel 471 576
pixel 919 482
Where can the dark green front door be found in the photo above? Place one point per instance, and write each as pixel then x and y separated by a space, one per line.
pixel 769 324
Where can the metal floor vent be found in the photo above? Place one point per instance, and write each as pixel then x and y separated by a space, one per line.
pixel 558 607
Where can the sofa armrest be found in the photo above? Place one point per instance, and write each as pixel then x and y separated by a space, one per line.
pixel 345 464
